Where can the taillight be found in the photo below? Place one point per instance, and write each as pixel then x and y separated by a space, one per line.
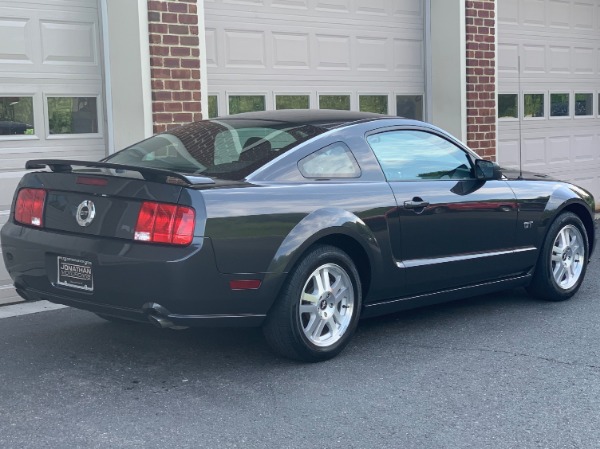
pixel 29 208
pixel 165 223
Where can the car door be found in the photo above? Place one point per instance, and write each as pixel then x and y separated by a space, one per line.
pixel 455 230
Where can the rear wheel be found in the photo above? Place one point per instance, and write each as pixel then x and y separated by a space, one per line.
pixel 562 261
pixel 318 310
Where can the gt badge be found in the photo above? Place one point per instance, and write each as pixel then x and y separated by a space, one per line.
pixel 85 213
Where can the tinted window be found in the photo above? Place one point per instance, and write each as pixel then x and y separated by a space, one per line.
pixel 508 106
pixel 559 105
pixel 16 116
pixel 72 115
pixel 413 155
pixel 227 149
pixel 333 161
pixel 533 105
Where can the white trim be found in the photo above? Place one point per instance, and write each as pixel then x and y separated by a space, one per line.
pixel 497 82
pixel 145 67
pixel 203 69
pixel 463 68
pixel 108 103
pixel 428 106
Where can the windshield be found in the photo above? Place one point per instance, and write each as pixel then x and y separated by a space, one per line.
pixel 226 149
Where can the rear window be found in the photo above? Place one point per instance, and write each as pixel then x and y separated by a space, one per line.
pixel 226 149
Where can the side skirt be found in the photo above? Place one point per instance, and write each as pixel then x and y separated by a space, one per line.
pixel 412 302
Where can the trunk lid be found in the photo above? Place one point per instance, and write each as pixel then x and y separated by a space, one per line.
pixel 108 208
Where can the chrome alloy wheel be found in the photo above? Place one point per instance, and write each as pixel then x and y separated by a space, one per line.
pixel 326 305
pixel 567 260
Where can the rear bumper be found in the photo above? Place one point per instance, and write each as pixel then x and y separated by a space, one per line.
pixel 144 314
pixel 129 276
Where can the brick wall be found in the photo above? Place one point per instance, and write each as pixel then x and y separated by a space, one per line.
pixel 174 62
pixel 481 77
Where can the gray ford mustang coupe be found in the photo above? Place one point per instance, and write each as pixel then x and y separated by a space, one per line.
pixel 301 222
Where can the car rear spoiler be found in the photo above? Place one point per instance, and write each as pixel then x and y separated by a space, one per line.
pixel 148 173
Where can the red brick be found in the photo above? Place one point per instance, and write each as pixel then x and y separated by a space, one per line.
pixel 178 7
pixel 156 5
pixel 169 18
pixel 191 41
pixel 180 74
pixel 180 51
pixel 182 96
pixel 192 107
pixel 173 106
pixel 189 19
pixel 161 73
pixel 158 28
pixel 179 29
pixel 183 117
pixel 173 63
pixel 163 117
pixel 169 39
pixel 161 95
pixel 155 38
pixel 190 63
pixel 157 50
pixel 172 85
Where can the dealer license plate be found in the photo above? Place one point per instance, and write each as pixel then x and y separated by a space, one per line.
pixel 75 273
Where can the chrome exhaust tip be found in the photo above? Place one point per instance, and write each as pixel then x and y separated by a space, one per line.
pixel 157 316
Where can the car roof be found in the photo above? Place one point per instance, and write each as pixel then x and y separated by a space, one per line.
pixel 323 118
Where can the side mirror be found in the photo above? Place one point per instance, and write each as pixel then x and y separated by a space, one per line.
pixel 487 170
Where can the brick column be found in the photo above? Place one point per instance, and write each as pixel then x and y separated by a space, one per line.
pixel 481 77
pixel 174 62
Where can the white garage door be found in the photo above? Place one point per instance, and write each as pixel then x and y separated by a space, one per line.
pixel 51 103
pixel 558 42
pixel 336 54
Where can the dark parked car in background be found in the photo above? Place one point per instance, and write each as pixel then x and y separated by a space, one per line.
pixel 301 222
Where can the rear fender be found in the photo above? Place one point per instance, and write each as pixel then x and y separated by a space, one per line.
pixel 318 225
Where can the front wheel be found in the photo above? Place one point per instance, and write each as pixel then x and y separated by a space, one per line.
pixel 318 310
pixel 562 261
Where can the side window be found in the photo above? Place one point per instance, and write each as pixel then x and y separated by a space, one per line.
pixel 414 155
pixel 333 161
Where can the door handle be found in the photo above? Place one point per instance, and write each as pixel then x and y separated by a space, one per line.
pixel 415 204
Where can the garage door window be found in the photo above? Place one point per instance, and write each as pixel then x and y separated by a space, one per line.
pixel 72 115
pixel 16 116
pixel 508 106
pixel 409 106
pixel 584 104
pixel 533 105
pixel 292 102
pixel 246 103
pixel 559 105
pixel 338 102
pixel 373 103
pixel 213 106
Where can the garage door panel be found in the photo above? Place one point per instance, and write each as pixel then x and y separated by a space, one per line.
pixel 339 48
pixel 560 55
pixel 34 42
pixel 291 50
pixel 69 42
pixel 15 42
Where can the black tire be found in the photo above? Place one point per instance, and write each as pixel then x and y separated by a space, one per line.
pixel 286 327
pixel 544 284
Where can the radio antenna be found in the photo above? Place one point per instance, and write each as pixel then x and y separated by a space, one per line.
pixel 519 116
